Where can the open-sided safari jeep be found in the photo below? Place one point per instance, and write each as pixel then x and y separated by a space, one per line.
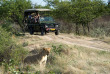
pixel 39 20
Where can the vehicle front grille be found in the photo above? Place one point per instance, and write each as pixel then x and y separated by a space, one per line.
pixel 51 26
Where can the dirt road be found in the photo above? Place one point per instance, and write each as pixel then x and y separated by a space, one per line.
pixel 68 39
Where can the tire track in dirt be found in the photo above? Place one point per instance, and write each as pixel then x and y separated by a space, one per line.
pixel 73 40
pixel 89 43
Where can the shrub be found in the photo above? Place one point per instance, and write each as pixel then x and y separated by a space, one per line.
pixel 11 55
pixel 56 49
pixel 25 44
pixel 98 32
pixel 60 49
pixel 5 44
pixel 11 27
pixel 9 49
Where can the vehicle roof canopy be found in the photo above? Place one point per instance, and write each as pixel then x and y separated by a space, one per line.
pixel 36 10
pixel 30 11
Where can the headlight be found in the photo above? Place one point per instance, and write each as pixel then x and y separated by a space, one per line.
pixel 56 25
pixel 46 26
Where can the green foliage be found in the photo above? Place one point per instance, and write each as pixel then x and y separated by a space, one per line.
pixel 56 49
pixel 98 32
pixel 11 55
pixel 40 6
pixel 5 44
pixel 11 27
pixel 11 9
pixel 18 54
pixel 55 71
pixel 25 44
pixel 52 3
pixel 12 68
pixel 38 72
pixel 7 25
pixel 9 49
pixel 80 12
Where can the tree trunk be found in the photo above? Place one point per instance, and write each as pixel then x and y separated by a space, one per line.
pixel 84 31
pixel 88 27
pixel 77 28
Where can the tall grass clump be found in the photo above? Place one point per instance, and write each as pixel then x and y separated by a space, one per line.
pixel 98 32
pixel 6 44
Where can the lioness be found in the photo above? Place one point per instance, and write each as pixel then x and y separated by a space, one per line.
pixel 40 58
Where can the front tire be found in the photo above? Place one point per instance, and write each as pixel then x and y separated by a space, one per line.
pixel 57 32
pixel 45 32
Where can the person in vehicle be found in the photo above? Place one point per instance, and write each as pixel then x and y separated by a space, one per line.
pixel 36 18
pixel 29 18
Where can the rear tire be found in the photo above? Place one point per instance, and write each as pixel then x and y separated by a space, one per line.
pixel 31 31
pixel 45 32
pixel 42 31
pixel 57 32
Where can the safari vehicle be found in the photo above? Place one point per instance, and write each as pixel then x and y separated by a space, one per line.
pixel 45 23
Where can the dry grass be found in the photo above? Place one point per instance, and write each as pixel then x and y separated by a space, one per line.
pixel 73 59
pixel 106 40
pixel 80 60
pixel 1 70
pixel 70 59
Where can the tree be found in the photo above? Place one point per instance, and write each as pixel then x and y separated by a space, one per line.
pixel 52 3
pixel 81 12
pixel 14 9
pixel 40 6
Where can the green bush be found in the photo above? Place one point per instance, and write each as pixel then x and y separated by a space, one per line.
pixel 56 49
pixel 5 44
pixel 11 55
pixel 25 44
pixel 11 27
pixel 98 32
pixel 9 49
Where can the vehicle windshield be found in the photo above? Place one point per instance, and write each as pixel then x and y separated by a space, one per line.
pixel 45 19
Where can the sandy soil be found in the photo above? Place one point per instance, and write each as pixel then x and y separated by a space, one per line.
pixel 68 39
